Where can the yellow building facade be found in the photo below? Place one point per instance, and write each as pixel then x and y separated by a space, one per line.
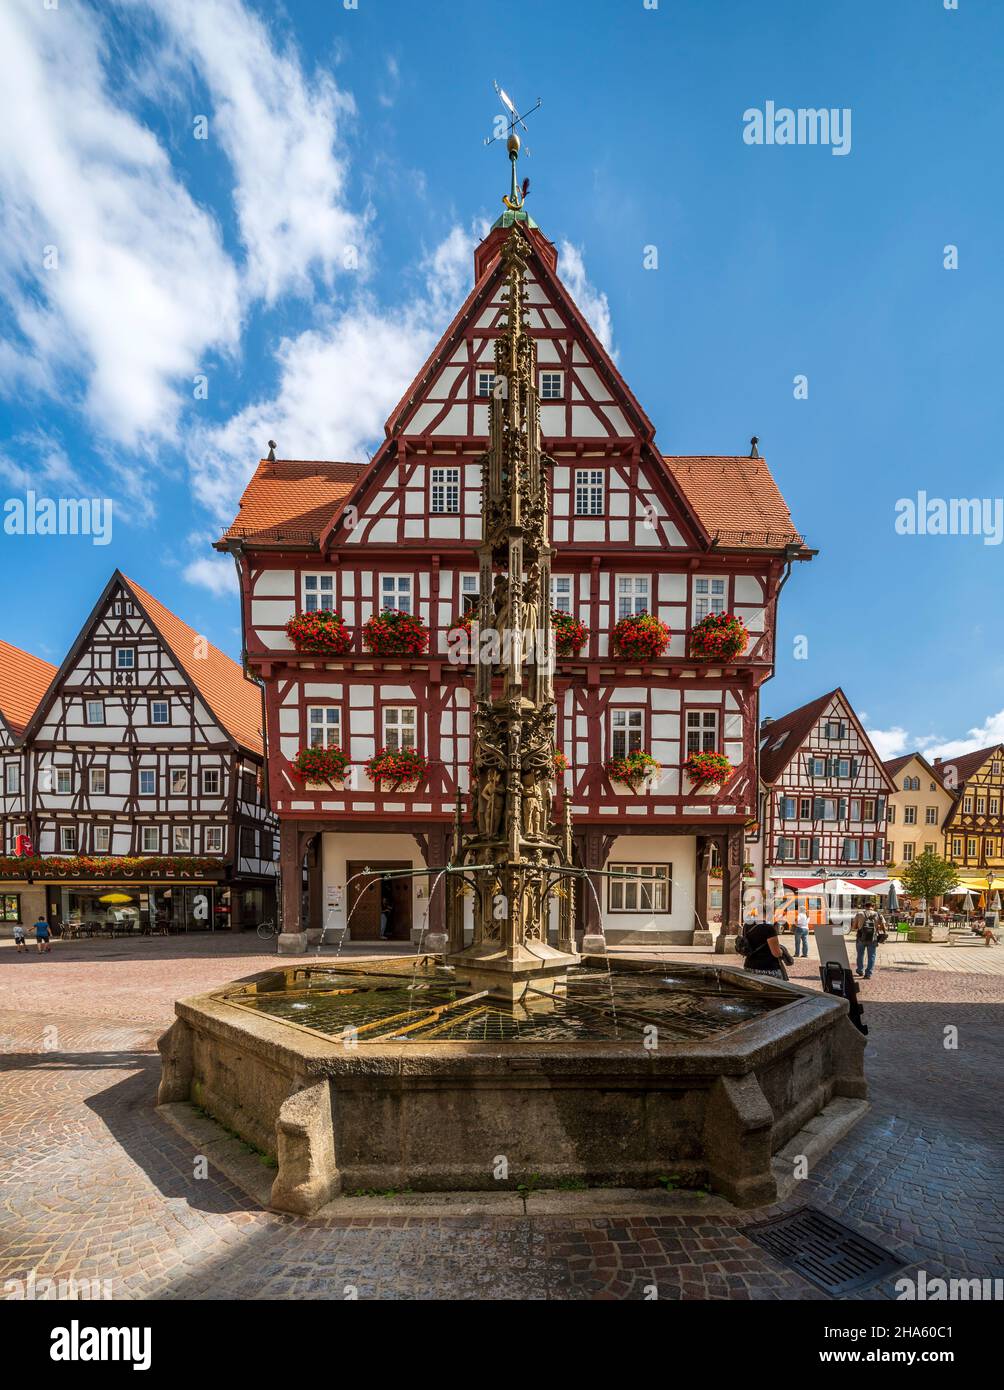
pixel 918 810
pixel 974 828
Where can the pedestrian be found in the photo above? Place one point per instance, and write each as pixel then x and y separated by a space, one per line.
pixel 867 937
pixel 764 954
pixel 43 936
pixel 802 933
pixel 385 931
pixel 989 935
pixel 20 944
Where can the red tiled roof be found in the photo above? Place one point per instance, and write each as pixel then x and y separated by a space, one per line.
pixel 292 500
pixel 797 725
pixel 966 763
pixel 24 679
pixel 736 500
pixel 232 698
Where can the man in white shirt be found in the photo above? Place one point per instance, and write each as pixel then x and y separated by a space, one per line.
pixel 802 932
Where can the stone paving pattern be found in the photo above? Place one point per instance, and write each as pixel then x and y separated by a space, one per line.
pixel 94 1184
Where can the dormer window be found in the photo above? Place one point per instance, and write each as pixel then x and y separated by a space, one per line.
pixel 551 386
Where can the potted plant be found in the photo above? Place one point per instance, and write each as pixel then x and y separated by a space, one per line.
pixel 561 763
pixel 708 769
pixel 320 764
pixel 718 637
pixel 640 637
pixel 633 770
pixel 393 633
pixel 402 769
pixel 569 633
pixel 323 632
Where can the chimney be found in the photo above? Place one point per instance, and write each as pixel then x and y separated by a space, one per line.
pixel 937 762
pixel 766 720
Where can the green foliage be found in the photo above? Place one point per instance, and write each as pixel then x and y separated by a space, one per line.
pixel 929 876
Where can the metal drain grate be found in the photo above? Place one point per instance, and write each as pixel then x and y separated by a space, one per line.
pixel 833 1257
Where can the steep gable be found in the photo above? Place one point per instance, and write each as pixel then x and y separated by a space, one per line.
pixel 24 679
pixel 783 738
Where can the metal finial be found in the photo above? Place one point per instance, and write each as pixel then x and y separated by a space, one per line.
pixel 754 451
pixel 516 197
pixel 271 451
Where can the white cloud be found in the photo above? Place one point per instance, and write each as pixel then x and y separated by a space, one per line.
pixel 337 383
pixel 216 573
pixel 143 288
pixel 890 743
pixel 592 302
pixel 991 731
pixel 280 130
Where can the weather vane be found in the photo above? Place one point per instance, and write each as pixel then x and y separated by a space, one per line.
pixel 516 196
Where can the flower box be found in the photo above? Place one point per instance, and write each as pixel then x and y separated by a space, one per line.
pixel 570 635
pixel 708 770
pixel 397 771
pixel 393 633
pixel 320 766
pixel 634 770
pixel 322 632
pixel 640 637
pixel 718 637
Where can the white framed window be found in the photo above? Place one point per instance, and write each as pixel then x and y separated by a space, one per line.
pixel 551 386
pixel 211 781
pixel 702 731
pixel 643 888
pixel 147 781
pixel 843 767
pixel 709 596
pixel 850 854
pixel 817 767
pixel 102 839
pixel 182 839
pixel 994 807
pixel 94 711
pixel 908 852
pixel 561 592
pixel 125 658
pixel 837 729
pixel 12 778
pixel 785 849
pixel 634 595
pixel 967 805
pixel 396 592
pixel 179 781
pixel 160 712
pixel 626 729
pixel 68 839
pixel 445 490
pixel 589 499
pixel 318 593
pixel 931 814
pixel 97 780
pixel 805 849
pixel 212 839
pixel 469 593
pixel 805 808
pixel 485 384
pixel 151 839
pixel 981 805
pixel 324 726
pixel 971 847
pixel 957 847
pixel 400 727
pixel 64 781
pixel 930 849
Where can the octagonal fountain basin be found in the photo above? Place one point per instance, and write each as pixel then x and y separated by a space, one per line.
pixel 393 1074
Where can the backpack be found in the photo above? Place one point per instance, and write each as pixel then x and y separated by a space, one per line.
pixel 868 932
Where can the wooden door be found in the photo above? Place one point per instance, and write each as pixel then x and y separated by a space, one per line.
pixel 370 891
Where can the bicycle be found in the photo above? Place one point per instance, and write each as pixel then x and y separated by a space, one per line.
pixel 266 930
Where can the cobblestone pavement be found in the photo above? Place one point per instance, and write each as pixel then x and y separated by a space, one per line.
pixel 94 1185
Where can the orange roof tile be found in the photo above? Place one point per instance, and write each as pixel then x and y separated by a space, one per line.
pixel 292 500
pixel 736 500
pixel 232 698
pixel 24 679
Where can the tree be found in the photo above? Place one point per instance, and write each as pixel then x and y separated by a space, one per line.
pixel 927 877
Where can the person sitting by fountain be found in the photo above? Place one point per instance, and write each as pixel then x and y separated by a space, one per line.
pixel 763 950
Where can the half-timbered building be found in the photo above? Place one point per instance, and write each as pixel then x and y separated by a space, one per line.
pixel 24 679
pixel 635 531
pixel 143 779
pixel 825 807
pixel 974 826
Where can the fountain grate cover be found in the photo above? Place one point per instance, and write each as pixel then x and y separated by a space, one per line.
pixel 427 1003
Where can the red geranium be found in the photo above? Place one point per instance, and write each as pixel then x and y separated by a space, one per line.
pixel 569 633
pixel 108 865
pixel 718 637
pixel 393 633
pixel 640 636
pixel 321 764
pixel 634 769
pixel 712 769
pixel 401 765
pixel 561 763
pixel 322 632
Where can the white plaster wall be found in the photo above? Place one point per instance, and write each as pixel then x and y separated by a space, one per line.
pixel 678 850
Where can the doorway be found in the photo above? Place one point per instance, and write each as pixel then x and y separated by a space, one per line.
pixel 374 890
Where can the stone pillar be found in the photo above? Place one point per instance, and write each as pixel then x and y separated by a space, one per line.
pixel 702 927
pixel 292 938
pixel 731 850
pixel 593 940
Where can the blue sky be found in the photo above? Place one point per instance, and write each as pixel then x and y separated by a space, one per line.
pixel 328 129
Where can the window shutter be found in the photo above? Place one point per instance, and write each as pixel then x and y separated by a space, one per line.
pixel 880 808
pixel 817 808
pixel 841 808
pixel 854 767
pixel 815 847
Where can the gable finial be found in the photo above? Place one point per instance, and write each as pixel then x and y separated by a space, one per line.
pixel 754 451
pixel 514 200
pixel 271 451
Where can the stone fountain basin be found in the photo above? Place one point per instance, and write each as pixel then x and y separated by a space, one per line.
pixel 466 1116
